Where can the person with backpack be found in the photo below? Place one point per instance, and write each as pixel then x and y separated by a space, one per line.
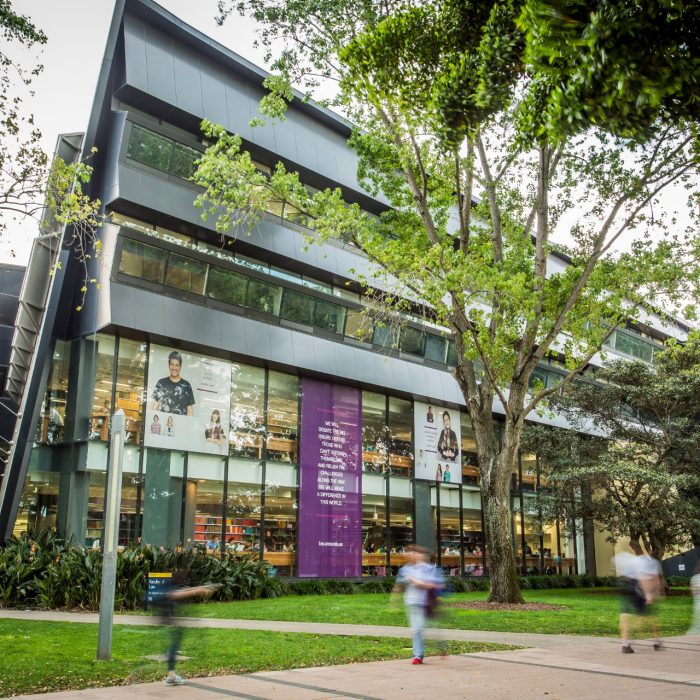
pixel 421 583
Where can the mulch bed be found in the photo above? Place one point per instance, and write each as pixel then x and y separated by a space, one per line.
pixel 524 607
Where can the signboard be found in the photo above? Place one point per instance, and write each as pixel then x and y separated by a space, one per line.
pixel 330 493
pixel 189 399
pixel 438 443
pixel 157 586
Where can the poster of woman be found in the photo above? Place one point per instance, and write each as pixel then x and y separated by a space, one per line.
pixel 438 439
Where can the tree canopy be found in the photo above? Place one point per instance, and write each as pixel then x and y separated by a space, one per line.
pixel 642 465
pixel 452 130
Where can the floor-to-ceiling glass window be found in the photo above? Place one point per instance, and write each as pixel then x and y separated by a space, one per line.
pixel 282 417
pixel 280 531
pixel 247 411
pixel 38 503
pixel 131 368
pixel 374 525
pixel 400 523
pixel 374 433
pixel 101 350
pixel 53 414
pixel 470 461
pixel 401 437
pixel 204 503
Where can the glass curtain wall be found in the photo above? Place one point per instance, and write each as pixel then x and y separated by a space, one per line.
pixel 374 433
pixel 102 347
pixel 53 413
pixel 401 437
pixel 400 530
pixel 470 461
pixel 131 368
pixel 374 525
pixel 38 504
pixel 247 411
pixel 282 417
pixel 204 503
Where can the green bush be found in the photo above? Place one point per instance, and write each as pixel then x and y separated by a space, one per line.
pixel 46 572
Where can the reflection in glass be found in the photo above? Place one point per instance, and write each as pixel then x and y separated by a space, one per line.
pixel 145 146
pixel 243 518
pixel 205 498
pixel 226 285
pixel 373 535
pixel 282 417
pixel 247 411
pixel 263 296
pixel 131 369
pixel 401 530
pixel 279 537
pixel 143 261
pixel 401 433
pixel 186 274
pixel 297 307
pixel 53 413
pixel 38 503
pixel 470 460
pixel 374 432
pixel 102 347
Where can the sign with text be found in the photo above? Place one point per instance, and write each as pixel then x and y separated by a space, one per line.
pixel 438 443
pixel 330 489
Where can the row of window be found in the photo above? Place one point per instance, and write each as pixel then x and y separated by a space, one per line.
pixel 238 288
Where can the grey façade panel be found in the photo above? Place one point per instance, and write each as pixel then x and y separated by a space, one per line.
pixel 304 348
pixel 240 106
pixel 281 341
pixel 305 136
pixel 214 103
pixel 149 312
pixel 257 339
pixel 188 81
pixel 160 66
pixel 285 138
pixel 135 52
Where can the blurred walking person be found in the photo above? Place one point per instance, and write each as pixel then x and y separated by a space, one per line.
pixel 639 577
pixel 167 605
pixel 421 582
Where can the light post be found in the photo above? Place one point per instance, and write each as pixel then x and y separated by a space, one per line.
pixel 110 539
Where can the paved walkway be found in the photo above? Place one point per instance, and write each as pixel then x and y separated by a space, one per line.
pixel 555 666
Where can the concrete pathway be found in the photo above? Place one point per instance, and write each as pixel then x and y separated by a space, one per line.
pixel 553 666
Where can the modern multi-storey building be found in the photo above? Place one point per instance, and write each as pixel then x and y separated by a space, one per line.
pixel 260 408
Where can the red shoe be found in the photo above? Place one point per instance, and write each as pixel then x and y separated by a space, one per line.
pixel 416 661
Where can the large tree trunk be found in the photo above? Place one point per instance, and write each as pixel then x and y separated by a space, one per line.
pixel 496 464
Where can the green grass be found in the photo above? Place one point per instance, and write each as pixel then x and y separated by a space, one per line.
pixel 588 612
pixel 49 656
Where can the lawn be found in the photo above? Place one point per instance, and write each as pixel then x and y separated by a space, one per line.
pixel 48 656
pixel 587 611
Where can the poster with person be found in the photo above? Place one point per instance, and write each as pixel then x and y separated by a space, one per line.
pixel 189 399
pixel 438 439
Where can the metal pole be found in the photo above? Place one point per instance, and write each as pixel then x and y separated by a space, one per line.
pixel 110 539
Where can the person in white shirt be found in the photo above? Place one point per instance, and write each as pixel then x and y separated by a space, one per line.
pixel 420 582
pixel 640 585
pixel 695 588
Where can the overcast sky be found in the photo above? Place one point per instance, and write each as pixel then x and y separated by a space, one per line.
pixel 77 34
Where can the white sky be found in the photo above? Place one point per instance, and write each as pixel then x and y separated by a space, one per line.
pixel 77 33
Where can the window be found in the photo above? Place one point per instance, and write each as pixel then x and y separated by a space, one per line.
pixel 53 413
pixel 145 146
pixel 374 432
pixel 247 414
pixel 401 434
pixel 435 347
pixel 358 325
pixel 242 517
pixel 470 460
pixel 451 354
pixel 102 349
pixel 373 535
pixel 38 503
pixel 183 162
pixel 297 307
pixel 400 529
pixel 130 386
pixel 386 336
pixel 143 261
pixel 329 316
pixel 263 296
pixel 282 417
pixel 411 341
pixel 186 274
pixel 204 495
pixel 279 535
pixel 226 285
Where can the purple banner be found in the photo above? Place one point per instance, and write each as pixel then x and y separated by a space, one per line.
pixel 330 492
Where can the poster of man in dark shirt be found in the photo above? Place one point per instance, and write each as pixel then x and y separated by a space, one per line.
pixel 173 394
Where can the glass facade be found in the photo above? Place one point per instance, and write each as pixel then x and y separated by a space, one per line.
pixel 243 496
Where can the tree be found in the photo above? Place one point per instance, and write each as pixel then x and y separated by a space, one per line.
pixel 642 468
pixel 616 63
pixel 447 108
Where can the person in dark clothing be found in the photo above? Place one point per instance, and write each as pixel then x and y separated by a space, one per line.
pixel 447 442
pixel 167 606
pixel 173 394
